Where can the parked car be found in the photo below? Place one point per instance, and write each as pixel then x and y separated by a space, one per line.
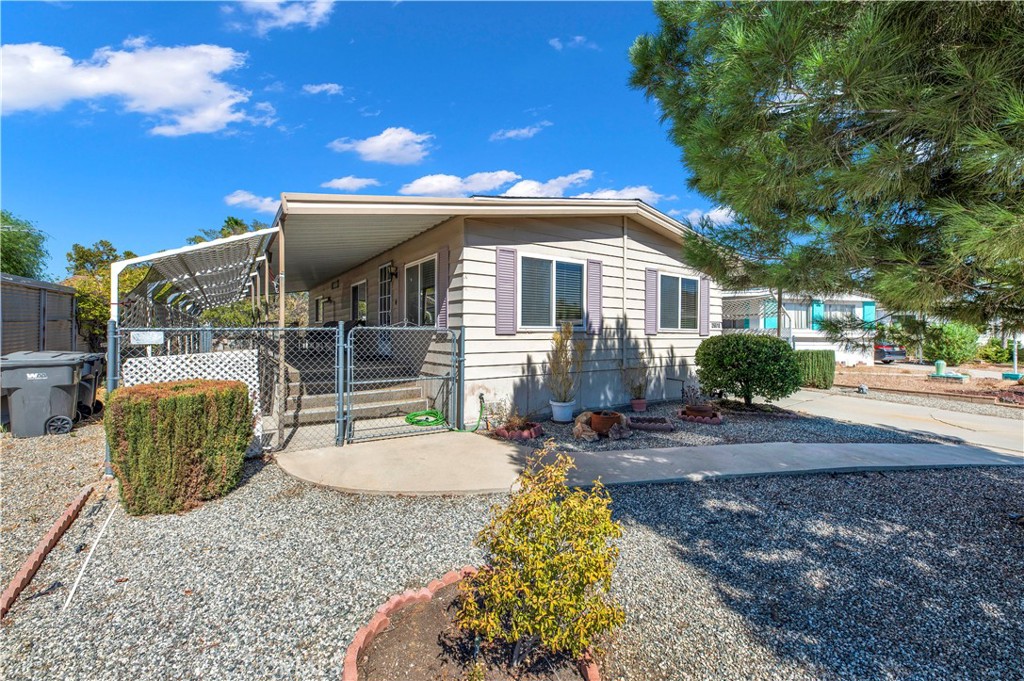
pixel 887 353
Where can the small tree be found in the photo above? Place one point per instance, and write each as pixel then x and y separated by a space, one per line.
pixel 565 359
pixel 550 558
pixel 746 365
pixel 954 343
pixel 23 248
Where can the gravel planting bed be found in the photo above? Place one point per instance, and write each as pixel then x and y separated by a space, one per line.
pixel 791 577
pixel 937 403
pixel 40 477
pixel 913 575
pixel 737 428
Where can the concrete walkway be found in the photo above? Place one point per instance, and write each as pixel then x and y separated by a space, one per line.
pixel 462 463
pixel 992 432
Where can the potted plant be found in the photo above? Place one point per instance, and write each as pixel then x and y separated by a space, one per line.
pixel 635 378
pixel 565 359
pixel 696 402
pixel 602 421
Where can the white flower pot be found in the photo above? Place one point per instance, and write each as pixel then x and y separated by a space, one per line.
pixel 561 412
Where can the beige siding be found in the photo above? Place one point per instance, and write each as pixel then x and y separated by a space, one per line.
pixel 340 308
pixel 499 366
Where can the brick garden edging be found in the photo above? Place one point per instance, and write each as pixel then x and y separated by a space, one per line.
pixel 382 619
pixel 31 565
pixel 714 419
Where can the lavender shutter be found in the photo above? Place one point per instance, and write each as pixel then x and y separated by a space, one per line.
pixel 595 297
pixel 705 307
pixel 442 288
pixel 650 302
pixel 505 292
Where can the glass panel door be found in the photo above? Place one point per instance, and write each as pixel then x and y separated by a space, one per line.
pixel 420 293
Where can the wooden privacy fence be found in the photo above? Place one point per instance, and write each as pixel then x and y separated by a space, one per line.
pixel 36 315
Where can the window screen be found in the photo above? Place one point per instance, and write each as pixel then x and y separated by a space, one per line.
pixel 669 302
pixel 569 293
pixel 688 303
pixel 679 303
pixel 536 292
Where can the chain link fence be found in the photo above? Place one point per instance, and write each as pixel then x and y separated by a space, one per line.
pixel 400 380
pixel 291 374
pixel 309 387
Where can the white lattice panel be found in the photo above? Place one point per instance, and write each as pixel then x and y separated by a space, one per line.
pixel 234 365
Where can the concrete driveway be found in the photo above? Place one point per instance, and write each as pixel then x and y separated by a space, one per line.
pixel 990 432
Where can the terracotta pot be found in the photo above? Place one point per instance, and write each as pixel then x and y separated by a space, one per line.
pixel 639 404
pixel 602 421
pixel 705 410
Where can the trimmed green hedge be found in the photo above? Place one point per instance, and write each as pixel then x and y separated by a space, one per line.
pixel 817 368
pixel 173 445
pixel 746 365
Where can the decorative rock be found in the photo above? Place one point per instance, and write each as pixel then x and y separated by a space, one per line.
pixel 582 431
pixel 619 432
pixel 584 418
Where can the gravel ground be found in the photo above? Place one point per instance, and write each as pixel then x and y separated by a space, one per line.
pixel 39 478
pixel 737 428
pixel 937 403
pixel 910 575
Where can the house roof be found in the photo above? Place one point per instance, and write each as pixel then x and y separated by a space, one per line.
pixel 328 233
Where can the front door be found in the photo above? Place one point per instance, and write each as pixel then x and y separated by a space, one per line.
pixel 421 292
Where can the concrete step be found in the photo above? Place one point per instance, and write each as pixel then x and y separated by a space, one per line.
pixel 315 400
pixel 369 410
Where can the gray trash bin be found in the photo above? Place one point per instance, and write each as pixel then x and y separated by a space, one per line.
pixel 93 371
pixel 42 390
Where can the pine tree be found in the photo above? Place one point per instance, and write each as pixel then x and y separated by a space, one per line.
pixel 883 143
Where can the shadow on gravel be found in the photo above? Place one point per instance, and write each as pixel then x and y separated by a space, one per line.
pixel 894 575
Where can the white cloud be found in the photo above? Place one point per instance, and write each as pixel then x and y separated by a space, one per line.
pixel 520 133
pixel 642 192
pixel 554 187
pixel 323 88
pixel 244 199
pixel 719 216
pixel 178 86
pixel 399 146
pixel 574 42
pixel 453 185
pixel 264 114
pixel 351 183
pixel 264 17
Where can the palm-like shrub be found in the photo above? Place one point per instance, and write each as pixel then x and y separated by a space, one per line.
pixel 746 365
pixel 550 556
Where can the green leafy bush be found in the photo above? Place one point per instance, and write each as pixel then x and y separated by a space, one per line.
pixel 953 342
pixel 173 445
pixel 746 365
pixel 817 368
pixel 995 353
pixel 550 557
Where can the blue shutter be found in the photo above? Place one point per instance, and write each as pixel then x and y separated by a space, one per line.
pixel 817 313
pixel 868 313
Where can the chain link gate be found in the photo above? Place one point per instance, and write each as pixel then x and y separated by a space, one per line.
pixel 292 374
pixel 399 380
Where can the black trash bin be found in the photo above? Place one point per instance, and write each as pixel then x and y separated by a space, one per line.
pixel 41 390
pixel 93 372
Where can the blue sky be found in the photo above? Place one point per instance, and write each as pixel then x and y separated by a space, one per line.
pixel 142 122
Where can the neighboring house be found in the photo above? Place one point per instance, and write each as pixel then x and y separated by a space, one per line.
pixel 756 311
pixel 507 271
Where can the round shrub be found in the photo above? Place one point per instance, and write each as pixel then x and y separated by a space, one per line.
pixel 746 365
pixel 994 352
pixel 952 342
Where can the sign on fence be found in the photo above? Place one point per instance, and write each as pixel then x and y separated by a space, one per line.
pixel 146 338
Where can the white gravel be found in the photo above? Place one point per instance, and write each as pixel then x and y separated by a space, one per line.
pixel 908 575
pixel 737 428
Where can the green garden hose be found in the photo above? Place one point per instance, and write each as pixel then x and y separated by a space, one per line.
pixel 431 418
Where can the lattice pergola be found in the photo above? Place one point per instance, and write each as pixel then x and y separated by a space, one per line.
pixel 183 282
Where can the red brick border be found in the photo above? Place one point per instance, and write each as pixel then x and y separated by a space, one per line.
pixel 382 619
pixel 35 559
pixel 714 419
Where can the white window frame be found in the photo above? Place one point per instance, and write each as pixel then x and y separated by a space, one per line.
pixel 405 293
pixel 680 277
pixel 384 307
pixel 519 290
pixel 351 297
